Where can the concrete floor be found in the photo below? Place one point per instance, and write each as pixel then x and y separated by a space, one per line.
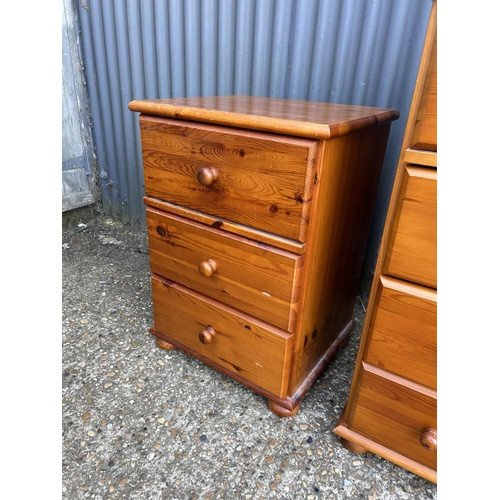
pixel 139 422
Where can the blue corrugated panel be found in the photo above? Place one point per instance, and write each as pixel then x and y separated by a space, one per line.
pixel 363 52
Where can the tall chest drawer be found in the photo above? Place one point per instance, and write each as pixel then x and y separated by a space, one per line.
pixel 403 331
pixel 265 181
pixel 396 415
pixel 412 251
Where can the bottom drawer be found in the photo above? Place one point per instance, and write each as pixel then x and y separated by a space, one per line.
pixel 254 350
pixel 396 415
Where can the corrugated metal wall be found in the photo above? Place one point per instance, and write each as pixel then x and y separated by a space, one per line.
pixel 363 52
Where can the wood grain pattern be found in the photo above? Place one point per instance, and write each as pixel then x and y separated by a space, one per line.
pixel 403 331
pixel 412 248
pixel 252 277
pixel 244 345
pixel 421 157
pixel 263 181
pixel 348 176
pixel 317 120
pixel 228 226
pixel 395 416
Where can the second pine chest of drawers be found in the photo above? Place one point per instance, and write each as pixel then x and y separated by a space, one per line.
pixel 392 405
pixel 258 213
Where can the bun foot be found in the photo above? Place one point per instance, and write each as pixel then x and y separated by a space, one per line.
pixel 356 448
pixel 281 411
pixel 164 345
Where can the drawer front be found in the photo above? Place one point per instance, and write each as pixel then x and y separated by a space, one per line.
pixel 255 278
pixel 260 180
pixel 412 252
pixel 395 415
pixel 403 331
pixel 243 345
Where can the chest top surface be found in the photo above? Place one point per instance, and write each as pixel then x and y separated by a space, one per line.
pixel 317 120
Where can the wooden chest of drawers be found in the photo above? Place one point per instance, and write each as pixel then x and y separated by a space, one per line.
pixel 258 212
pixel 392 406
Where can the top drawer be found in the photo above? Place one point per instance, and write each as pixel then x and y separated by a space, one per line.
pixel 265 181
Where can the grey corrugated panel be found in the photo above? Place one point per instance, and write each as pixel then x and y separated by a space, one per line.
pixel 121 119
pixel 115 144
pixel 176 43
pixel 363 52
pixel 142 20
pixel 136 63
pixel 192 24
pixel 209 50
pixel 243 46
pixel 327 25
pixel 303 33
pixel 262 47
pixel 161 37
pixel 283 12
pixel 225 33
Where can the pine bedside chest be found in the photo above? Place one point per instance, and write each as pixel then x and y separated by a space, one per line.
pixel 258 212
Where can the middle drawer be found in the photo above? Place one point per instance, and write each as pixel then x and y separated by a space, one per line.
pixel 260 280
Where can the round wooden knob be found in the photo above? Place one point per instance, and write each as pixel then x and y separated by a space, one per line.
pixel 428 439
pixel 206 176
pixel 207 267
pixel 206 336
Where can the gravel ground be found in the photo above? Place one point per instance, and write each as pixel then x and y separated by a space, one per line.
pixel 139 422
